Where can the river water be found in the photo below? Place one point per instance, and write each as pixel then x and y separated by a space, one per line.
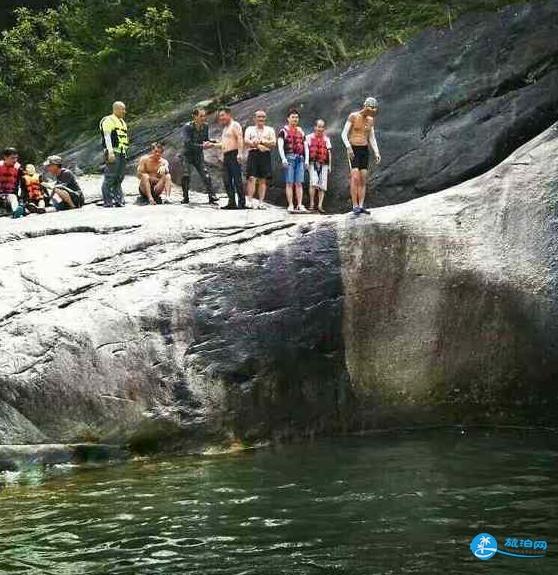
pixel 384 504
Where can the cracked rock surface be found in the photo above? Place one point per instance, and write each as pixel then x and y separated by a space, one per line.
pixel 146 322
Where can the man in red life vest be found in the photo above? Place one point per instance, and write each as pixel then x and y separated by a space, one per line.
pixel 318 163
pixel 291 143
pixel 10 180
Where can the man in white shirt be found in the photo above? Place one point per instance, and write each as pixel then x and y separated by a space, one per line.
pixel 259 140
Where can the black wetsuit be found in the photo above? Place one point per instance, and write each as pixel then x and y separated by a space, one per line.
pixel 193 138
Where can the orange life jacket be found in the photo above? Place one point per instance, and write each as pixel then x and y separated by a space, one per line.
pixel 34 189
pixel 294 140
pixel 317 146
pixel 9 176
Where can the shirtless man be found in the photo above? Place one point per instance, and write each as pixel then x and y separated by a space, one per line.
pixel 260 140
pixel 154 176
pixel 358 137
pixel 232 146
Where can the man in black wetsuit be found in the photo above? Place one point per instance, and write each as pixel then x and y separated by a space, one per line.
pixel 195 136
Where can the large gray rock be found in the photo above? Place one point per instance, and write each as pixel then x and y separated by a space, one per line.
pixel 454 103
pixel 140 323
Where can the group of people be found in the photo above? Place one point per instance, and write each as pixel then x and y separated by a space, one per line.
pixel 298 152
pixel 23 190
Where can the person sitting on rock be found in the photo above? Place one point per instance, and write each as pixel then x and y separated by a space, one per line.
pixel 260 140
pixel 66 192
pixel 291 143
pixel 318 163
pixel 154 175
pixel 195 137
pixel 358 137
pixel 10 182
pixel 33 191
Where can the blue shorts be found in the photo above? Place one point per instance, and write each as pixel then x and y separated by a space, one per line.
pixel 294 172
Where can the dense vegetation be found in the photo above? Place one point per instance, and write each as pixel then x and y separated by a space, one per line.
pixel 61 67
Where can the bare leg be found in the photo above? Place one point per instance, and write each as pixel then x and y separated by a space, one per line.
pixel 12 200
pixel 161 186
pixel 145 188
pixel 168 185
pixel 321 195
pixel 250 189
pixel 312 194
pixel 355 184
pixel 289 194
pixel 262 189
pixel 66 198
pixel 362 187
pixel 299 195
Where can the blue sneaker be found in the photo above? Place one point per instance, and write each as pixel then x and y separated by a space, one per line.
pixel 364 211
pixel 356 211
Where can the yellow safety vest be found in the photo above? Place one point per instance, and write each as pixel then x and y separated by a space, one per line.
pixel 118 133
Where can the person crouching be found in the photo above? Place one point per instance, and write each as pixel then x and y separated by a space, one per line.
pixel 66 192
pixel 154 175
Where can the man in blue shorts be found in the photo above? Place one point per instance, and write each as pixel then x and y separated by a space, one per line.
pixel 291 143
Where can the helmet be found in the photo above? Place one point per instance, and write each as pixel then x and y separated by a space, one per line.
pixel 371 102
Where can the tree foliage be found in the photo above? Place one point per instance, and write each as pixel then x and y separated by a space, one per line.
pixel 61 68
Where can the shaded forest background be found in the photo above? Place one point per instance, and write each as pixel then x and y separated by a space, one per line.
pixel 63 63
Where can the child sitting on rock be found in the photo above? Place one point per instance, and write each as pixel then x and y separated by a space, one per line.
pixel 33 191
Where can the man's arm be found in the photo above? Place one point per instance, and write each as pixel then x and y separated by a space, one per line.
pixel 107 135
pixel 281 147
pixel 248 139
pixel 374 145
pixel 330 150
pixel 141 168
pixel 306 151
pixel 268 142
pixel 345 133
pixel 239 139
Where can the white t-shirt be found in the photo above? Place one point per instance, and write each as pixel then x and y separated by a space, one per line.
pixel 253 133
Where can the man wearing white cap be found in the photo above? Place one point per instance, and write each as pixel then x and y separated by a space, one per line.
pixel 358 137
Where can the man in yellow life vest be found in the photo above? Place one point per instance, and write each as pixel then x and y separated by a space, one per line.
pixel 114 133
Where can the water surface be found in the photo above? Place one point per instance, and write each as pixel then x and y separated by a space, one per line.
pixel 381 505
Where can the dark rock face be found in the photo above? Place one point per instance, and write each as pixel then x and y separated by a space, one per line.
pixel 454 103
pixel 216 325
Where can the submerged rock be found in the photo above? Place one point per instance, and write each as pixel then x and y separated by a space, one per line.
pixel 454 103
pixel 138 324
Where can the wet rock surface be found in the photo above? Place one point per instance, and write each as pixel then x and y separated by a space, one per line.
pixel 144 323
pixel 454 103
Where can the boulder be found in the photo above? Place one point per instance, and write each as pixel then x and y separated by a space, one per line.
pixel 154 323
pixel 454 103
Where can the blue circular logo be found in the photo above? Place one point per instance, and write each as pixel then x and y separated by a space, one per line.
pixel 484 546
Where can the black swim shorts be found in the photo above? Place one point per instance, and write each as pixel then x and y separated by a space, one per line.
pixel 361 158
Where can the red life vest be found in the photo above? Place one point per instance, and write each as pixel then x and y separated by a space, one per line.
pixel 317 146
pixel 294 140
pixel 9 176
pixel 34 190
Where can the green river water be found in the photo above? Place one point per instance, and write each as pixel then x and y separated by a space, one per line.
pixel 383 504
